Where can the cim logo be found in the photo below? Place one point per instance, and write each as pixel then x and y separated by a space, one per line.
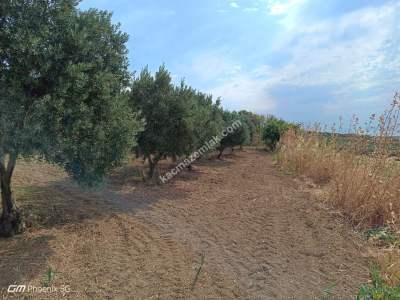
pixel 14 288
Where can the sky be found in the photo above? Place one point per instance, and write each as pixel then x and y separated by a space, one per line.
pixel 301 60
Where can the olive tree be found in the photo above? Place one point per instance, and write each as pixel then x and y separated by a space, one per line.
pixel 255 124
pixel 273 130
pixel 238 137
pixel 167 115
pixel 205 118
pixel 208 121
pixel 63 82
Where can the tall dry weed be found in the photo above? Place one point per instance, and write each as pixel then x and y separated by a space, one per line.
pixel 361 168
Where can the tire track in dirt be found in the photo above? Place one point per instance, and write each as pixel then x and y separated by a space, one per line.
pixel 119 258
pixel 262 236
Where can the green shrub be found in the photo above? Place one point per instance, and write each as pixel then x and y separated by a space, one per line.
pixel 273 130
pixel 379 290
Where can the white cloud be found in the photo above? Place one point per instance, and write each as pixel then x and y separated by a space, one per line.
pixel 234 4
pixel 282 7
pixel 354 54
pixel 353 50
pixel 226 79
pixel 243 91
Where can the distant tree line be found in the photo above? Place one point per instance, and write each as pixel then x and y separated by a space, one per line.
pixel 66 95
pixel 179 119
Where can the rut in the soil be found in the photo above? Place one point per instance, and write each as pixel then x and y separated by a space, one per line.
pixel 261 235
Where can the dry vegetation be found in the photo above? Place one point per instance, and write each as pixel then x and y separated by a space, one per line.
pixel 256 229
pixel 359 173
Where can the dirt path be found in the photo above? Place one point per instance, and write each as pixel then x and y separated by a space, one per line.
pixel 260 234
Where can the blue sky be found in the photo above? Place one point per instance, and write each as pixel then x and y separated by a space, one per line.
pixel 302 60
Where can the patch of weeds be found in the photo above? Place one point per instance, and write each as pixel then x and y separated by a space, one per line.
pixel 49 277
pixel 378 289
pixel 328 291
pixel 384 236
pixel 196 277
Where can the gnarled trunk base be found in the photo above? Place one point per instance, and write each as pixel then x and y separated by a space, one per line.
pixel 11 223
pixel 11 220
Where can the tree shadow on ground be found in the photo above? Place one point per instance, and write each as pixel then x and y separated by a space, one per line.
pixel 64 202
pixel 56 203
pixel 50 199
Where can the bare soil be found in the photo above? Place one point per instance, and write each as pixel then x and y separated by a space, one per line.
pixel 261 233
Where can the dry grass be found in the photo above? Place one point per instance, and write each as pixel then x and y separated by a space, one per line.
pixel 389 261
pixel 364 186
pixel 130 240
pixel 360 172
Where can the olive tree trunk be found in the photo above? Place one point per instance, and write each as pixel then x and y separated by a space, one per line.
pixel 221 150
pixel 11 221
pixel 152 167
pixel 153 172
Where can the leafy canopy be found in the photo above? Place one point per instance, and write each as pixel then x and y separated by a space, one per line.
pixel 205 117
pixel 241 134
pixel 167 113
pixel 254 123
pixel 273 129
pixel 63 73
